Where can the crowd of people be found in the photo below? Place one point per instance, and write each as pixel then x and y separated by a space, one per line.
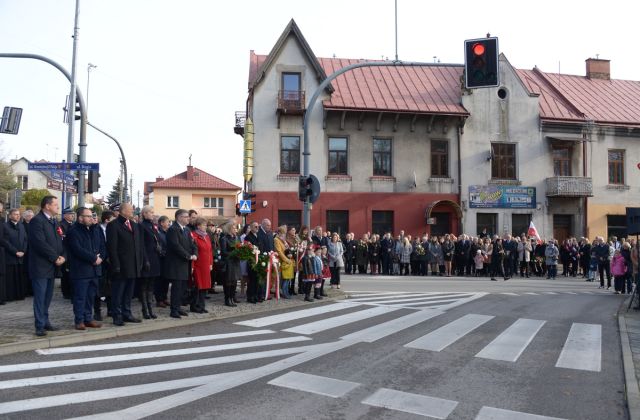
pixel 110 259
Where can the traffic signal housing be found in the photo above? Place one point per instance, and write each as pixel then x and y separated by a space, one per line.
pixel 238 210
pixel 252 198
pixel 481 63
pixel 93 181
pixel 308 187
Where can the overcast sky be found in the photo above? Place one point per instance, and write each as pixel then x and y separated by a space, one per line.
pixel 171 74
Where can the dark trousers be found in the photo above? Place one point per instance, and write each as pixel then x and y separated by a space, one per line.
pixel 65 283
pixel 252 286
pixel 335 275
pixel 84 293
pixel 147 286
pixel 618 283
pixel 603 266
pixel 121 295
pixel 348 265
pixel 161 289
pixel 197 300
pixel 386 264
pixel 178 288
pixel 42 295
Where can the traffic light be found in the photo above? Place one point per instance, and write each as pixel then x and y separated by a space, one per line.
pixel 93 181
pixel 77 110
pixel 252 197
pixel 238 210
pixel 481 63
pixel 308 187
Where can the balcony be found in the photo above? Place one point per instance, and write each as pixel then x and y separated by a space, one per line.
pixel 241 117
pixel 291 102
pixel 569 186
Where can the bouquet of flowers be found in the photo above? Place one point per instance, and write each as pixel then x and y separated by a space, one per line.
pixel 244 251
pixel 420 250
pixel 261 267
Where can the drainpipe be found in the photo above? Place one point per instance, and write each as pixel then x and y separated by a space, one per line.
pixel 459 128
pixel 584 174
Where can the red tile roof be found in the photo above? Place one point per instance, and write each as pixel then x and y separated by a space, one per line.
pixel 201 181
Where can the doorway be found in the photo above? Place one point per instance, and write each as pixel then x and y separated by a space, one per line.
pixel 562 224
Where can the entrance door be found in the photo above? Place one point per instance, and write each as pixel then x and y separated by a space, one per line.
pixel 442 225
pixel 562 224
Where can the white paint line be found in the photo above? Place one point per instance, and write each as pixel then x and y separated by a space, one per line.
pixel 392 298
pixel 439 298
pixel 304 382
pixel 148 355
pixel 570 293
pixel 462 301
pixel 490 413
pixel 139 370
pixel 364 295
pixel 129 344
pixel 531 293
pixel 583 348
pixel 448 334
pixel 550 293
pixel 371 334
pixel 428 302
pixel 509 345
pixel 289 316
pixel 510 294
pixel 337 321
pixel 421 405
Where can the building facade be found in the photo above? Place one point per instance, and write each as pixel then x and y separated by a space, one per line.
pixel 408 148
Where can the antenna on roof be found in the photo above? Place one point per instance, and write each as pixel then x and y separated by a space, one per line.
pixel 396 3
pixel 189 159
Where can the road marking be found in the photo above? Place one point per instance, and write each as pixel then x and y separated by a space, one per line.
pixel 490 413
pixel 337 321
pixel 129 344
pixel 289 316
pixel 462 301
pixel 148 355
pixel 583 348
pixel 449 297
pixel 530 293
pixel 509 345
pixel 394 297
pixel 448 334
pixel 371 334
pixel 421 405
pixel 510 294
pixel 570 293
pixel 304 382
pixel 427 303
pixel 550 293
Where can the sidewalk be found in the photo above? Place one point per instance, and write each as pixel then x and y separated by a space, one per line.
pixel 629 323
pixel 17 332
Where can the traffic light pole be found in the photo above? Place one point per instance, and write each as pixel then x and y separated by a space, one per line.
pixel 306 209
pixel 124 161
pixel 72 106
pixel 83 114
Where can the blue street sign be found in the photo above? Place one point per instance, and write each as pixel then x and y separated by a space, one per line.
pixel 59 176
pixel 61 166
pixel 245 206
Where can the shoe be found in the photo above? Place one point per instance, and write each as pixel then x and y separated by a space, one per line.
pixel 41 333
pixel 308 299
pixel 80 327
pixel 97 316
pixel 608 287
pixel 183 313
pixel 600 287
pixel 204 311
pixel 175 315
pixel 493 279
pixel 338 286
pixel 132 319
pixel 161 305
pixel 118 323
pixel 93 324
pixel 51 328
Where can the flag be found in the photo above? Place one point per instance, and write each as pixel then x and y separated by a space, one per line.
pixel 533 232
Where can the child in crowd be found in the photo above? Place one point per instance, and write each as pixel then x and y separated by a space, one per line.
pixel 618 270
pixel 593 267
pixel 317 271
pixel 308 268
pixel 478 259
pixel 326 270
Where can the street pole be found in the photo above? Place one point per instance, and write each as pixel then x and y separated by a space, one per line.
pixel 306 208
pixel 72 103
pixel 89 68
pixel 123 159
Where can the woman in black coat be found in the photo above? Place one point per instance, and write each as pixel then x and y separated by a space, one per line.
pixel 14 243
pixel 229 265
pixel 152 269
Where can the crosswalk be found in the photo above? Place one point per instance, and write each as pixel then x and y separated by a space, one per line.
pixel 293 338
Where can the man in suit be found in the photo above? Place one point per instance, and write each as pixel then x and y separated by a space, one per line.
pixel 126 259
pixel 68 217
pixel 86 250
pixel 181 250
pixel 46 256
pixel 252 283
pixel 265 244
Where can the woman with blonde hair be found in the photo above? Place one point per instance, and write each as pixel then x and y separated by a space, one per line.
pixel 202 266
pixel 286 260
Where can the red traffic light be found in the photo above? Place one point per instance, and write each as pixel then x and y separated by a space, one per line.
pixel 478 49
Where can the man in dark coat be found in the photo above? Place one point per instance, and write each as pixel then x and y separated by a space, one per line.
pixel 151 272
pixel 46 256
pixel 510 256
pixel 126 259
pixel 265 244
pixel 65 283
pixel 252 283
pixel 14 242
pixel 386 246
pixel 86 250
pixel 181 250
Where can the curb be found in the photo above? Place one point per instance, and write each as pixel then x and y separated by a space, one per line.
pixel 631 382
pixel 163 324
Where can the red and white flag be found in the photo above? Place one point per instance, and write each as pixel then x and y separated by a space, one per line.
pixel 533 232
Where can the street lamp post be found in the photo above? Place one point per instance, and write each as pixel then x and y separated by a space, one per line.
pixel 89 68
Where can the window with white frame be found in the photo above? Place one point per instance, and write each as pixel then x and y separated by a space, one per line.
pixel 173 201
pixel 214 203
pixel 23 182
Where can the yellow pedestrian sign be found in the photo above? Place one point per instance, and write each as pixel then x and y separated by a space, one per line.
pixel 245 206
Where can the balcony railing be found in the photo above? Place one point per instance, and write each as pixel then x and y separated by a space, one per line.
pixel 241 117
pixel 569 186
pixel 291 101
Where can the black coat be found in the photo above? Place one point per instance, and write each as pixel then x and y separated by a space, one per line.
pixel 83 247
pixel 180 248
pixel 153 248
pixel 265 241
pixel 125 248
pixel 45 246
pixel 14 240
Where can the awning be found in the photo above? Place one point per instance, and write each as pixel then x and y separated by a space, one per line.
pixel 565 139
pixel 453 204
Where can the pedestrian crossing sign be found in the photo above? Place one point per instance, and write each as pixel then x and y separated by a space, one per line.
pixel 245 206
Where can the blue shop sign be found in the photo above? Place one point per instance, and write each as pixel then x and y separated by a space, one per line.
pixel 502 196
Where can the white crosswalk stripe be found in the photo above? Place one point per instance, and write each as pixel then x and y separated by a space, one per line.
pixel 444 336
pixel 430 300
pixel 509 345
pixel 583 348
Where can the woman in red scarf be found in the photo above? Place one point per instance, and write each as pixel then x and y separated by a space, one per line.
pixel 202 266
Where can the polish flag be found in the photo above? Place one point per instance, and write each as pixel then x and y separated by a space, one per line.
pixel 533 232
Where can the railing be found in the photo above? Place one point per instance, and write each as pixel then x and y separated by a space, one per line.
pixel 569 186
pixel 241 117
pixel 291 101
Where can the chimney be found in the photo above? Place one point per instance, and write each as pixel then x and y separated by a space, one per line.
pixel 598 69
pixel 189 173
pixel 159 178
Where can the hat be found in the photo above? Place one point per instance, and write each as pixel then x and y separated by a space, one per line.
pixel 67 210
pixel 115 207
pixel 479 251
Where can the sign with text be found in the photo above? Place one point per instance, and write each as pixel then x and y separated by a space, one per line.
pixel 62 166
pixel 58 176
pixel 502 196
pixel 57 185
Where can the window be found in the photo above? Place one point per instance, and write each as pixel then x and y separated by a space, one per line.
pixel 291 218
pixel 338 221
pixel 617 226
pixel 338 156
pixel 291 86
pixel 382 157
pixel 520 224
pixel 23 182
pixel 616 167
pixel 290 155
pixel 382 221
pixel 503 161
pixel 214 203
pixel 173 202
pixel 440 158
pixel 487 221
pixel 562 161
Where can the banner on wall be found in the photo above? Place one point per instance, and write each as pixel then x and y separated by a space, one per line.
pixel 502 196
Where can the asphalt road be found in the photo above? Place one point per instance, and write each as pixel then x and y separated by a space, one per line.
pixel 422 348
